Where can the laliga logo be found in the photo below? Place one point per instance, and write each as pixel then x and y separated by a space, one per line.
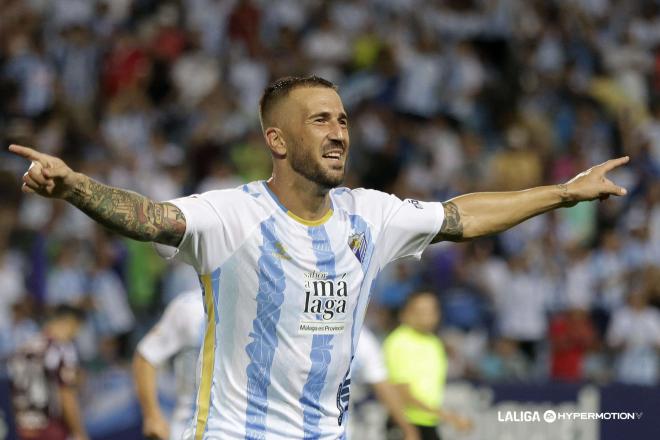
pixel 550 416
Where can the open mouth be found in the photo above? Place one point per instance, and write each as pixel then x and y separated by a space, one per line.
pixel 334 155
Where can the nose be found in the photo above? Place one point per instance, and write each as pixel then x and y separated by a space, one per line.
pixel 337 133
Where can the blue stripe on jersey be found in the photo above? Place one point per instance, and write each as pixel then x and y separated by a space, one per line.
pixel 320 354
pixel 215 282
pixel 264 336
pixel 358 226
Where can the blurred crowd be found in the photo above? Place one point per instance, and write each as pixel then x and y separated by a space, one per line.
pixel 444 97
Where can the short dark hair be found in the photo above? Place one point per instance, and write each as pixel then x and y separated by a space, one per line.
pixel 418 293
pixel 281 88
pixel 62 311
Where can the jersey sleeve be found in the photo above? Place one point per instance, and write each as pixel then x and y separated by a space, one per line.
pixel 167 337
pixel 369 360
pixel 407 226
pixel 216 224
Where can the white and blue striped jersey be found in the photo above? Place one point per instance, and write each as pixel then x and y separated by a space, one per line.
pixel 285 300
pixel 178 336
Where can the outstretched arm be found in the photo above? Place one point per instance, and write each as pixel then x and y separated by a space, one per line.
pixel 125 212
pixel 475 215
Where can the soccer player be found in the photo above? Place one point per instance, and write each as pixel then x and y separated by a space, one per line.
pixel 177 335
pixel 287 264
pixel 44 380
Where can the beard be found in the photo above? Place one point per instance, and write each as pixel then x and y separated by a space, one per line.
pixel 304 163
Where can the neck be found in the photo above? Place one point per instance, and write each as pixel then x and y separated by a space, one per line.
pixel 304 198
pixel 418 329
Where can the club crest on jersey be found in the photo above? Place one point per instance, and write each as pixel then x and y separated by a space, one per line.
pixel 280 251
pixel 358 244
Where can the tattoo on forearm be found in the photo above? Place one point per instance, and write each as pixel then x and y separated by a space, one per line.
pixel 129 213
pixel 452 225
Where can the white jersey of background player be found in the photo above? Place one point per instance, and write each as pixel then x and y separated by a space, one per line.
pixel 285 300
pixel 368 369
pixel 178 336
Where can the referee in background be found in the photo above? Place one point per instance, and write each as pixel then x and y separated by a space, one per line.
pixel 417 365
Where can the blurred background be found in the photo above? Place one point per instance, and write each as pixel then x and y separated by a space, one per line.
pixel 444 97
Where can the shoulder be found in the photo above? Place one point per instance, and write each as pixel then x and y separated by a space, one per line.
pixel 399 336
pixel 346 195
pixel 236 205
pixel 244 194
pixel 189 300
pixel 369 203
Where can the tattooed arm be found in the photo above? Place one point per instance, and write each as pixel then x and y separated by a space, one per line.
pixel 125 212
pixel 128 213
pixel 475 215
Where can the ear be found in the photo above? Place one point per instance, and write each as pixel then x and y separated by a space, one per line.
pixel 275 141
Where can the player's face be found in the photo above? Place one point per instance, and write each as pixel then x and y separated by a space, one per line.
pixel 317 135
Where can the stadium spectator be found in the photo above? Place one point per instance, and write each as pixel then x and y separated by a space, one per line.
pixel 572 337
pixel 503 362
pixel 44 376
pixel 634 334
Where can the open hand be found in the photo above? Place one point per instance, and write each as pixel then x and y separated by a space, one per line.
pixel 47 176
pixel 593 183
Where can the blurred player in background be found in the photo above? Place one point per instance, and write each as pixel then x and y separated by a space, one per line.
pixel 44 380
pixel 370 374
pixel 177 335
pixel 287 264
pixel 417 365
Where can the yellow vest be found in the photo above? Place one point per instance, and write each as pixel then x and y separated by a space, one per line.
pixel 419 360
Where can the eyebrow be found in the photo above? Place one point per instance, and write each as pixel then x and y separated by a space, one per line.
pixel 326 114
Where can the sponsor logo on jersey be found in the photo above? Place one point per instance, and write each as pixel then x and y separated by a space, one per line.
pixel 325 304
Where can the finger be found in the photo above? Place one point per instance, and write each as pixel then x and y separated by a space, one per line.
pixel 26 152
pixel 613 163
pixel 614 189
pixel 35 172
pixel 30 182
pixel 26 189
pixel 51 173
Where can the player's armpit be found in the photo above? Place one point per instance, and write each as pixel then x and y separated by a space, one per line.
pixel 452 225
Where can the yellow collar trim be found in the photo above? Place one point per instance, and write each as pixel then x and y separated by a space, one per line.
pixel 318 222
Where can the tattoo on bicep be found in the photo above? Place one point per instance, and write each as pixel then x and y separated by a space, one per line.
pixel 173 226
pixel 452 225
pixel 129 213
